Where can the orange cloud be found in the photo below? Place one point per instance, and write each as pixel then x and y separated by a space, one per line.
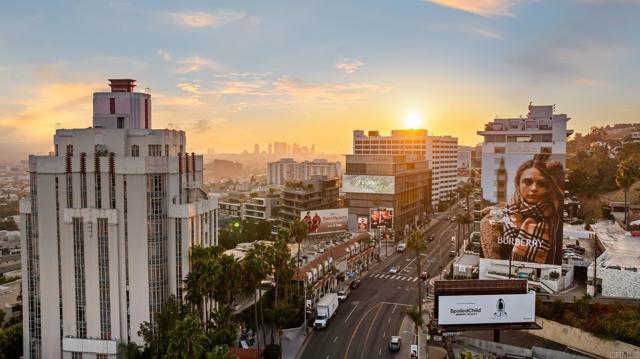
pixel 349 65
pixel 328 92
pixel 196 19
pixel 480 7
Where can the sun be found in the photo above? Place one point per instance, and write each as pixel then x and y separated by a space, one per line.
pixel 413 120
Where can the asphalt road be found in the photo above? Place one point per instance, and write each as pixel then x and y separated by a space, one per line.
pixel 373 312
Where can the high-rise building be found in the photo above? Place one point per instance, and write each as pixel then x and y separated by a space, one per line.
pixel 401 182
pixel 270 149
pixel 256 149
pixel 318 192
pixel 287 169
pixel 280 148
pixel 441 153
pixel 508 142
pixel 107 229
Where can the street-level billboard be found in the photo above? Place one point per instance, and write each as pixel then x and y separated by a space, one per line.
pixel 486 309
pixel 381 218
pixel 326 220
pixel 363 224
pixel 527 225
pixel 368 184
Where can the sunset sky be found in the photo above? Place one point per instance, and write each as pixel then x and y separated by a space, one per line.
pixel 235 73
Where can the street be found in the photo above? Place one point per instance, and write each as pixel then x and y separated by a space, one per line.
pixel 374 312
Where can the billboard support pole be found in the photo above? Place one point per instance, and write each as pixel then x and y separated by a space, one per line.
pixel 510 266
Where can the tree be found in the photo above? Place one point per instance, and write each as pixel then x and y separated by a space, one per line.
pixel 626 175
pixel 130 350
pixel 415 313
pixel 11 341
pixel 418 244
pixel 157 338
pixel 220 352
pixel 188 339
pixel 255 270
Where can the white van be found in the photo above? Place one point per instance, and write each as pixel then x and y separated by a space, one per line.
pixel 401 247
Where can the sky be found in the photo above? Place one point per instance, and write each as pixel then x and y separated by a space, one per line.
pixel 235 73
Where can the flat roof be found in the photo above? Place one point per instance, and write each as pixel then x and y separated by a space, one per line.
pixel 621 250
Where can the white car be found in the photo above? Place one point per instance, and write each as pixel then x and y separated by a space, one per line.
pixel 401 247
pixel 394 269
pixel 342 295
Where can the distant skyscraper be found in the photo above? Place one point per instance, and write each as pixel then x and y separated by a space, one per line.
pixel 270 149
pixel 107 230
pixel 256 149
pixel 441 152
pixel 280 148
pixel 508 142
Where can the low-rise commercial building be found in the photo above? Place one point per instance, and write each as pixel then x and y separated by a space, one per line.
pixel 320 192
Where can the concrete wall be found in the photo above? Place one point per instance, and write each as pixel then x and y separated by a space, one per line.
pixel 583 341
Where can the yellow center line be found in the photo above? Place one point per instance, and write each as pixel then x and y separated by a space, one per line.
pixel 366 339
pixel 355 331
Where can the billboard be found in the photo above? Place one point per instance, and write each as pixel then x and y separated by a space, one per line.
pixel 326 220
pixel 527 226
pixel 486 309
pixel 363 224
pixel 381 218
pixel 368 184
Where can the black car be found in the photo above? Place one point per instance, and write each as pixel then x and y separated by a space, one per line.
pixel 355 284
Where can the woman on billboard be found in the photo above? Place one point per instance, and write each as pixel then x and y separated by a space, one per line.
pixel 528 229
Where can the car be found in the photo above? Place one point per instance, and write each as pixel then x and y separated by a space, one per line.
pixel 424 275
pixel 394 269
pixel 394 343
pixel 342 295
pixel 355 284
pixel 452 254
pixel 453 219
pixel 430 238
pixel 401 247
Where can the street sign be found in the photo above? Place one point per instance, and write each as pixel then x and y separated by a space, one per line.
pixel 413 351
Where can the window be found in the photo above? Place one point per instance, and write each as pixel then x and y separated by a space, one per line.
pixel 166 150
pixel 499 150
pixel 155 150
pixel 120 122
pixel 135 151
pixel 112 106
pixel 70 150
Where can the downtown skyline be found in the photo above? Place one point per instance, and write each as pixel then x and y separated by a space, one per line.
pixel 313 72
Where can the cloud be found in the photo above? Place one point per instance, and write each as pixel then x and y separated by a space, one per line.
pixel 486 8
pixel 196 19
pixel 339 93
pixel 590 82
pixel 349 65
pixel 166 55
pixel 189 87
pixel 193 64
pixel 486 33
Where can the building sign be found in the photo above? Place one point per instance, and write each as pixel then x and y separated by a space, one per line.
pixel 368 184
pixel 527 226
pixel 326 220
pixel 363 224
pixel 381 218
pixel 486 309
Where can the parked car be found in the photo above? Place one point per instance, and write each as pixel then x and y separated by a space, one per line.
pixel 395 343
pixel 452 254
pixel 401 247
pixel 355 284
pixel 342 295
pixel 430 238
pixel 394 269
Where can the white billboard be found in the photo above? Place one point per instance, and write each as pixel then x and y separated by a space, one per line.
pixel 326 220
pixel 368 184
pixel 486 309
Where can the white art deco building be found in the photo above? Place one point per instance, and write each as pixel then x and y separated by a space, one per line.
pixel 107 230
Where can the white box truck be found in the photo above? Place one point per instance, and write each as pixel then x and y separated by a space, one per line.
pixel 325 309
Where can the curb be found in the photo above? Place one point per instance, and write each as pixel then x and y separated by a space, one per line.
pixel 304 345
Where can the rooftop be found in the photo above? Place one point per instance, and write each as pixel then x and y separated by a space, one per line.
pixel 621 250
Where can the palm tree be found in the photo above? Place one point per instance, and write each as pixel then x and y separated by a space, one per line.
pixel 220 352
pixel 255 271
pixel 188 339
pixel 130 350
pixel 626 175
pixel 416 316
pixel 418 244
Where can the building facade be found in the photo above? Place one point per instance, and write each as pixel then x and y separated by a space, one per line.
pixel 440 152
pixel 287 170
pixel 317 193
pixel 409 192
pixel 107 229
pixel 508 142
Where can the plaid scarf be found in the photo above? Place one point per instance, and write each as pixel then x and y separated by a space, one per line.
pixel 532 239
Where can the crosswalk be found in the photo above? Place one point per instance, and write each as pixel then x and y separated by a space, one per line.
pixel 394 277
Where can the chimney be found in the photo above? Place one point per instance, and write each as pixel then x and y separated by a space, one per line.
pixel 122 85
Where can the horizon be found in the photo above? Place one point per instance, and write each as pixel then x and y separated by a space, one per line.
pixel 243 70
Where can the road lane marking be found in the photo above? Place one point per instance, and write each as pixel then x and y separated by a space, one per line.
pixel 334 340
pixel 384 334
pixel 409 264
pixel 380 351
pixel 414 279
pixel 366 339
pixel 389 321
pixel 355 331
pixel 394 309
pixel 352 310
